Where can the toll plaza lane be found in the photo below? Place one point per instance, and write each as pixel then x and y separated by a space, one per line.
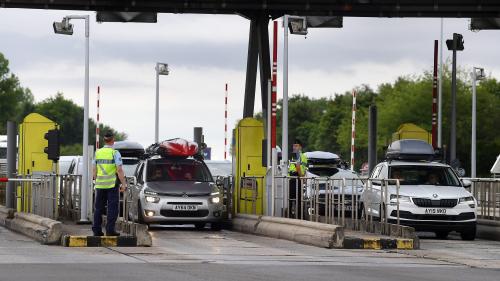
pixel 182 253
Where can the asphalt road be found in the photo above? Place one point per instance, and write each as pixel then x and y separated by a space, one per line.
pixel 186 254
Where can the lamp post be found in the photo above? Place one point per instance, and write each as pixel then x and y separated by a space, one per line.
pixel 161 69
pixel 297 25
pixel 477 74
pixel 64 27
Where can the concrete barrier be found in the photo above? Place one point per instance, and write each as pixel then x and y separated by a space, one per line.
pixel 304 232
pixel 488 229
pixel 6 214
pixel 140 231
pixel 43 230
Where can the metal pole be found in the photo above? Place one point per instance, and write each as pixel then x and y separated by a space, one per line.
pixel 268 143
pixel 157 104
pixel 372 138
pixel 225 124
pixel 11 163
pixel 275 83
pixel 453 133
pixel 198 135
pixel 97 129
pixel 473 141
pixel 353 128
pixel 85 185
pixel 284 148
pixel 440 98
pixel 434 96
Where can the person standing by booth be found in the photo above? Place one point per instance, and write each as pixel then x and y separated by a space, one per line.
pixel 108 164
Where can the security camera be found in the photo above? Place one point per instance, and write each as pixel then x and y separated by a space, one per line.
pixel 297 25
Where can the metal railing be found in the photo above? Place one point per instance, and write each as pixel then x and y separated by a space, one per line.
pixel 487 193
pixel 37 194
pixel 326 200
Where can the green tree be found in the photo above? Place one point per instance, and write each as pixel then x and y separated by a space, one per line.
pixel 15 101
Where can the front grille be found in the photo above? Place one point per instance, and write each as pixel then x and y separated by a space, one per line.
pixel 185 195
pixel 429 203
pixel 185 203
pixel 184 214
pixel 411 216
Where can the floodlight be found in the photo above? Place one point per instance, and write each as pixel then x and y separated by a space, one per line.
pixel 479 73
pixel 162 68
pixel 63 27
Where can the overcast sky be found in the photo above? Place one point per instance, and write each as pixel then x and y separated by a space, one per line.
pixel 205 52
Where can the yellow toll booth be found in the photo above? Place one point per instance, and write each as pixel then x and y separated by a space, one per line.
pixel 32 158
pixel 249 184
pixel 412 131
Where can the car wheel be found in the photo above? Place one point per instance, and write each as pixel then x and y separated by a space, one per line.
pixel 469 234
pixel 199 225
pixel 442 234
pixel 217 226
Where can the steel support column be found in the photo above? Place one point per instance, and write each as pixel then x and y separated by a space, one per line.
pixel 253 51
pixel 258 51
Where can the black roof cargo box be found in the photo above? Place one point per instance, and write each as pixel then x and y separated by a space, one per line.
pixel 410 149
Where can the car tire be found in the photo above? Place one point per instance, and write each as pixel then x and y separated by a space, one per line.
pixel 200 225
pixel 469 234
pixel 216 226
pixel 442 234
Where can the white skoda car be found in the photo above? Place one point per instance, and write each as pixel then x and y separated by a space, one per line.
pixel 431 196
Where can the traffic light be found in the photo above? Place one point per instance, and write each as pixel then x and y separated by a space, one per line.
pixel 52 149
pixel 459 42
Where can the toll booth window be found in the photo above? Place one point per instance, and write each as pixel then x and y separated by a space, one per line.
pixel 177 170
pixel 3 152
pixel 424 175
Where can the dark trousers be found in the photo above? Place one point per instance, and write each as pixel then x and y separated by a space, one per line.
pixel 112 198
pixel 295 196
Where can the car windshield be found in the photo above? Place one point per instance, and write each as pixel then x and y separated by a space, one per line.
pixel 220 169
pixel 177 170
pixel 424 175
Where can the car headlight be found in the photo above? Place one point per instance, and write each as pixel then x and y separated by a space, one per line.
pixel 152 199
pixel 468 200
pixel 402 199
pixel 215 200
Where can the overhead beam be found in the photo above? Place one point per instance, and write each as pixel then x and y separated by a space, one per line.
pixel 276 8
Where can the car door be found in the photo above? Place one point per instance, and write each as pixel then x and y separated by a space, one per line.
pixel 375 190
pixel 136 188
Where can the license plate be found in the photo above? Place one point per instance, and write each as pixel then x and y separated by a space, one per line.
pixel 435 211
pixel 185 208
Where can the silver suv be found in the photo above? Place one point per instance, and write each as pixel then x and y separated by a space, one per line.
pixel 173 190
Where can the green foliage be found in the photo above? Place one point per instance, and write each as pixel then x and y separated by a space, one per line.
pixel 72 149
pixel 15 101
pixel 325 123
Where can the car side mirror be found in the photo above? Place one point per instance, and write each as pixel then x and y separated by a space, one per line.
pixel 219 181
pixel 466 183
pixel 132 180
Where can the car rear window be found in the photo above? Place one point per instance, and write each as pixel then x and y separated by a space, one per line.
pixel 424 175
pixel 177 170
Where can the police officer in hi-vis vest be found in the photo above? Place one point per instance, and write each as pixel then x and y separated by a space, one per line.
pixel 108 164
